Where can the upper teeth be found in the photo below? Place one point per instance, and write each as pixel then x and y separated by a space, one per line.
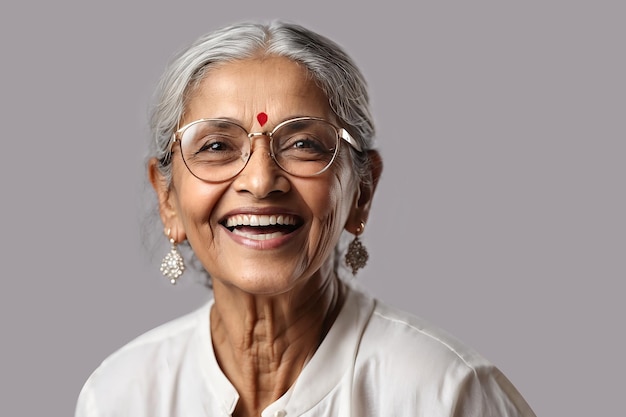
pixel 260 220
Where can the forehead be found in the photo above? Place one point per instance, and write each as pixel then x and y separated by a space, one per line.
pixel 242 89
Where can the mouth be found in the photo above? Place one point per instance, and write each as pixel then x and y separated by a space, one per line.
pixel 262 226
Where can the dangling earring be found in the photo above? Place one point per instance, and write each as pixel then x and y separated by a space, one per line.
pixel 357 256
pixel 172 265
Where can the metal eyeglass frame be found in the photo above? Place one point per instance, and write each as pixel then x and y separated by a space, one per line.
pixel 341 133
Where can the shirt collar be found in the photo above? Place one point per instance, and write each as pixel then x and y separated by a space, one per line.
pixel 334 357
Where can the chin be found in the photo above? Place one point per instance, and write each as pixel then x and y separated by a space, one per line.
pixel 271 276
pixel 263 286
pixel 262 280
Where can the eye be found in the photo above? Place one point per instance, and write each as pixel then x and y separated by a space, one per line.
pixel 307 137
pixel 303 142
pixel 306 143
pixel 214 149
pixel 215 144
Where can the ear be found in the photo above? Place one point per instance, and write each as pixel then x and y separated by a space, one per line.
pixel 363 200
pixel 165 197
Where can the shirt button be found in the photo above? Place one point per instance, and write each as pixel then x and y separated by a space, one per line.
pixel 280 413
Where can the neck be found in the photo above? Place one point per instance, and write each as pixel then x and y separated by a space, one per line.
pixel 262 342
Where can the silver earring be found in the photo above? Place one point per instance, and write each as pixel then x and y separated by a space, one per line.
pixel 172 265
pixel 357 256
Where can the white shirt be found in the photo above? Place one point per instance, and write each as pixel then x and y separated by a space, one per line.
pixel 374 361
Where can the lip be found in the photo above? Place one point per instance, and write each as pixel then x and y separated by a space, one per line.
pixel 273 237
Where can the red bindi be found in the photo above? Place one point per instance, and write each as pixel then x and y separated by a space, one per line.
pixel 262 118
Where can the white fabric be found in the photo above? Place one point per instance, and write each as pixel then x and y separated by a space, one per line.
pixel 375 361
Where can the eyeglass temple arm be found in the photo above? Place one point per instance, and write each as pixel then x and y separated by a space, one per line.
pixel 343 133
pixel 172 141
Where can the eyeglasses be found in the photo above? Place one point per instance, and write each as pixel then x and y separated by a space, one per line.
pixel 216 150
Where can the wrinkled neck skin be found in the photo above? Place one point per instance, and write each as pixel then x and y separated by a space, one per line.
pixel 262 342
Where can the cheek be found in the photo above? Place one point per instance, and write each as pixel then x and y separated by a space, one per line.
pixel 195 203
pixel 331 210
pixel 332 206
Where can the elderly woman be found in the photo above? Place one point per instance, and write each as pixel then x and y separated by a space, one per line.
pixel 263 158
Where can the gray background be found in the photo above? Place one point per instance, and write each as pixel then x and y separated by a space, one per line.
pixel 500 215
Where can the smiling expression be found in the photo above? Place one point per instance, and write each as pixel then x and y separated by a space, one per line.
pixel 264 231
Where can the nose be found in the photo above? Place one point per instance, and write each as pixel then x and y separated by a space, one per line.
pixel 261 176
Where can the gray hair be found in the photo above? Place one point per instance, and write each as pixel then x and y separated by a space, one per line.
pixel 331 68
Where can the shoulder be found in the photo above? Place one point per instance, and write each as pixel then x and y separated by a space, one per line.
pixel 164 342
pixel 427 367
pixel 413 335
pixel 413 340
pixel 144 364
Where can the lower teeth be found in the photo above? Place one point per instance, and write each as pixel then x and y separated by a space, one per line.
pixel 263 236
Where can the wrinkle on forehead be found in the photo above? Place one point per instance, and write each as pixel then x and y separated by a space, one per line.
pixel 242 89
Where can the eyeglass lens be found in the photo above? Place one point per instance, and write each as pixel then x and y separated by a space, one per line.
pixel 216 150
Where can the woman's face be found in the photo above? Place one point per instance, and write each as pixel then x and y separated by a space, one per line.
pixel 319 207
